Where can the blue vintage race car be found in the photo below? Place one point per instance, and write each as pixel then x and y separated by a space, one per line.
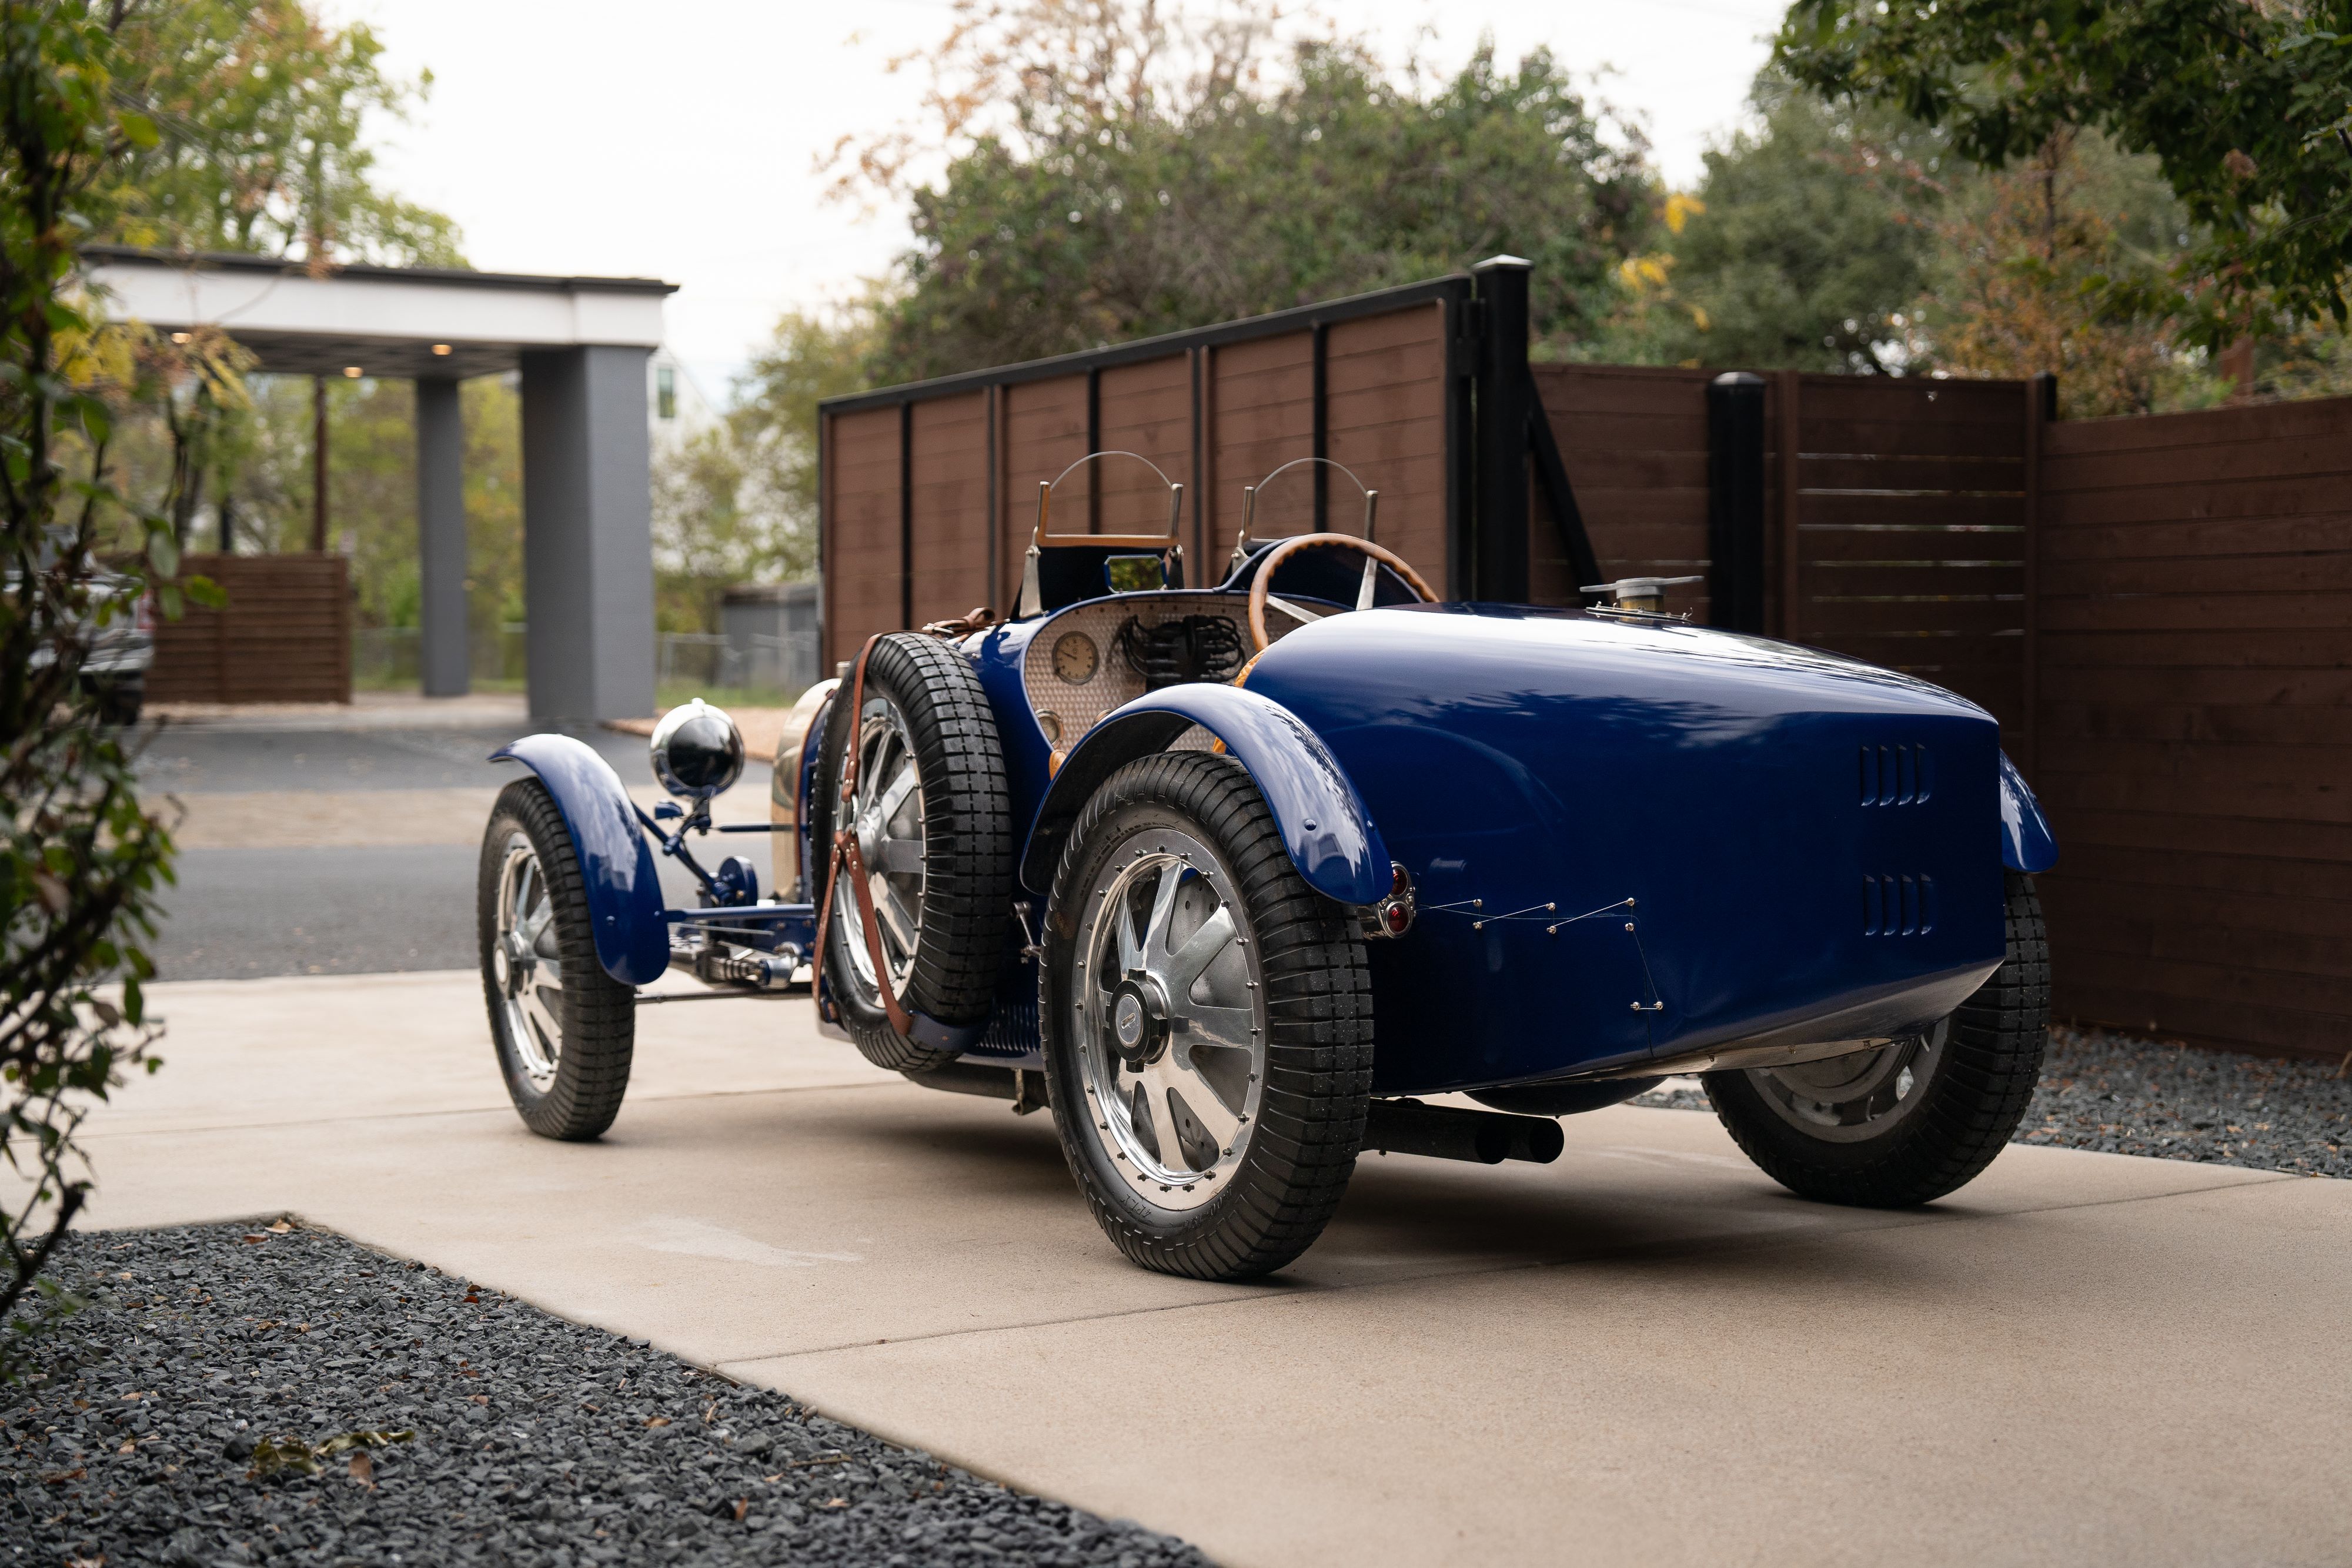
pixel 1229 877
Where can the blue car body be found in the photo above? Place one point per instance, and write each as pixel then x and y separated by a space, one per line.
pixel 1631 843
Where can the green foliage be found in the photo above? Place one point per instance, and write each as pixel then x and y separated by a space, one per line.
pixel 2057 264
pixel 1106 217
pixel 1852 238
pixel 81 860
pixel 1806 248
pixel 2248 107
pixel 371 494
pixel 255 112
pixel 735 502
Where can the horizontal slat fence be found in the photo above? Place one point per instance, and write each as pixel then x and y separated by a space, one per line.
pixel 1911 500
pixel 2158 611
pixel 285 635
pixel 2194 665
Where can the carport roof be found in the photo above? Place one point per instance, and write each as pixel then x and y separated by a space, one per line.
pixel 386 320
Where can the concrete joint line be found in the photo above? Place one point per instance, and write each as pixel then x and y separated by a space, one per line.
pixel 453 1112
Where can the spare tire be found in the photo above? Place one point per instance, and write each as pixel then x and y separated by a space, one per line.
pixel 934 825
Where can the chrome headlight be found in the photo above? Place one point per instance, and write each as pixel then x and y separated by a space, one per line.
pixel 698 751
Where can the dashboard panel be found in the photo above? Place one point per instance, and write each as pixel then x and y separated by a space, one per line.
pixel 1092 658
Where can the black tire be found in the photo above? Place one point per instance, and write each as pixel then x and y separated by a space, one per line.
pixel 1976 1086
pixel 928 688
pixel 594 1015
pixel 1273 1192
pixel 118 698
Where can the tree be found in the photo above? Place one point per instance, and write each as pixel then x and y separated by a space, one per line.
pixel 812 355
pixel 1805 245
pixel 1111 171
pixel 261 109
pixel 2057 263
pixel 2247 104
pixel 80 858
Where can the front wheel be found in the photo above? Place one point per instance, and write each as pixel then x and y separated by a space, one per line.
pixel 1910 1122
pixel 565 1030
pixel 1207 1020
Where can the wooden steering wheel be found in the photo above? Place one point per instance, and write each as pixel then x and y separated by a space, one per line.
pixel 1375 557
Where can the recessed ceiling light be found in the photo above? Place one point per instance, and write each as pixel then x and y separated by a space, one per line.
pixel 441 348
pixel 353 372
pixel 182 337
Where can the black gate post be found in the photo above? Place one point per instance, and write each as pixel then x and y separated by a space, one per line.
pixel 1498 550
pixel 1735 501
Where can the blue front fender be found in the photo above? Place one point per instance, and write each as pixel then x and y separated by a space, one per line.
pixel 1324 825
pixel 616 865
pixel 2027 843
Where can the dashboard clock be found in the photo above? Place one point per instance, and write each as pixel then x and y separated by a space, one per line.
pixel 1076 659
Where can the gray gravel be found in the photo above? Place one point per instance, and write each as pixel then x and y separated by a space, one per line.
pixel 491 1432
pixel 2122 1095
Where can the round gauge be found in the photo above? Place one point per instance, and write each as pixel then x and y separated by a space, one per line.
pixel 1051 722
pixel 1076 659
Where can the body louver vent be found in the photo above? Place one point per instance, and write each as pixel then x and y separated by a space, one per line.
pixel 1898 906
pixel 1895 775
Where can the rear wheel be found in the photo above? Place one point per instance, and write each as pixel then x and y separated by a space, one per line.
pixel 1207 1020
pixel 933 819
pixel 565 1030
pixel 1910 1122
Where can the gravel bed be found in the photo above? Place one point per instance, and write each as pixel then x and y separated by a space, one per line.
pixel 446 1424
pixel 2122 1095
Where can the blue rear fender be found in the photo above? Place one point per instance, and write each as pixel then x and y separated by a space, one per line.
pixel 616 865
pixel 2027 843
pixel 1330 836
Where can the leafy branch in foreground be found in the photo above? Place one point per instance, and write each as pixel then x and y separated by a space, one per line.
pixel 80 861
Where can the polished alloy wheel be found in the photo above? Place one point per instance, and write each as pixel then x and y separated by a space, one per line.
pixel 887 818
pixel 1849 1098
pixel 526 964
pixel 1171 1020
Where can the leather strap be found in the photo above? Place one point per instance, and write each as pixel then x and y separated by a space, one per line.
pixel 846 858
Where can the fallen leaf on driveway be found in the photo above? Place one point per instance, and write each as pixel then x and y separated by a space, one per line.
pixel 658 1421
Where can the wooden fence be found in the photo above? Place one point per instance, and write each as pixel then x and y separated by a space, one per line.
pixel 2158 611
pixel 2194 675
pixel 930 492
pixel 284 637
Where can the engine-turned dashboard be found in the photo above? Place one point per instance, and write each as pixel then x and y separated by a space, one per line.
pixel 1094 657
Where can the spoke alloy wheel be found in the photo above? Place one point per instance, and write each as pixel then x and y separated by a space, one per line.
pixel 1849 1098
pixel 528 965
pixel 886 817
pixel 1170 1019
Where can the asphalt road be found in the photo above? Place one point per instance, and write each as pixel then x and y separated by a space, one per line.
pixel 273 908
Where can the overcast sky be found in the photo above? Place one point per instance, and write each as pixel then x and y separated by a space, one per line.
pixel 679 140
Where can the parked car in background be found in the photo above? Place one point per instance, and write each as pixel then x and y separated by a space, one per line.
pixel 118 633
pixel 1232 878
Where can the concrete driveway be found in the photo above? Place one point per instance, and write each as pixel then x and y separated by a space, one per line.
pixel 1645 1352
pixel 346 840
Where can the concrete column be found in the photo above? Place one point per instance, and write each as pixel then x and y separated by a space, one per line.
pixel 587 514
pixel 441 537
